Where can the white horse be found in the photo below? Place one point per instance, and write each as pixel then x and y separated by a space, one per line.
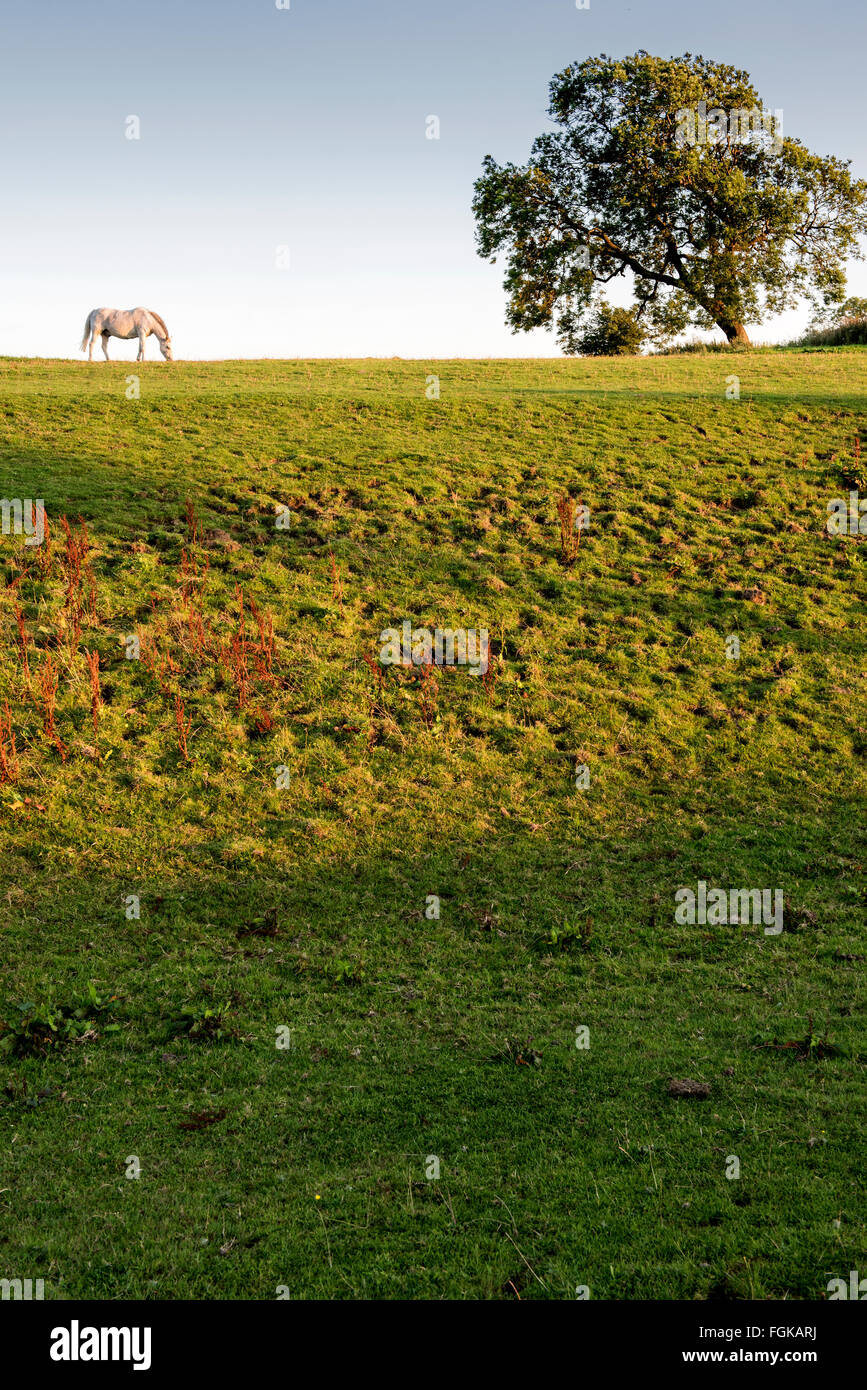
pixel 125 323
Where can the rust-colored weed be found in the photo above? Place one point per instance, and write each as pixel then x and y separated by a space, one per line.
pixel 23 641
pixel 92 659
pixel 48 680
pixel 9 767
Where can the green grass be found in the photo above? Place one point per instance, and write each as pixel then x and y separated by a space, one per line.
pixel 413 1037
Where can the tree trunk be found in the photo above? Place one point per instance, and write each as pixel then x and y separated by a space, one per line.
pixel 735 332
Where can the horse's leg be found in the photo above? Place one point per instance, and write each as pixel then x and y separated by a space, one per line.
pixel 105 338
pixel 90 345
pixel 141 343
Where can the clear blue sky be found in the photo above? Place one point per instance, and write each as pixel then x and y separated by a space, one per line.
pixel 305 128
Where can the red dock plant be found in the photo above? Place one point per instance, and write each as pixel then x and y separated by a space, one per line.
pixel 376 670
pixel 488 679
pixel 265 646
pixel 80 582
pixel 240 670
pixel 8 754
pixel 184 726
pixel 193 576
pixel 23 641
pixel 237 654
pixel 149 655
pixel 263 721
pixel 48 691
pixel 92 659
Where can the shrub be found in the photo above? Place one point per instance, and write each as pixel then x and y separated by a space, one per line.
pixel 611 333
pixel 846 333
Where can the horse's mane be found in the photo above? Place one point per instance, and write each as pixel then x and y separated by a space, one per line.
pixel 159 321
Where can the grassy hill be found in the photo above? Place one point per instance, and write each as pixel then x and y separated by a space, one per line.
pixel 243 830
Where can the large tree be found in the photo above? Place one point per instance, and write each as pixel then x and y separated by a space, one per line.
pixel 670 169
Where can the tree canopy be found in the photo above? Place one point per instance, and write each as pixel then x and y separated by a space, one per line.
pixel 850 311
pixel 673 170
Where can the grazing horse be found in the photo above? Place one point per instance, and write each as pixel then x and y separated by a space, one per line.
pixel 125 323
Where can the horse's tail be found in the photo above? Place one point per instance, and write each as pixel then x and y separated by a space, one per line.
pixel 86 334
pixel 159 321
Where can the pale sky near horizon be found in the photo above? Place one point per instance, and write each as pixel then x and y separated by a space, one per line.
pixel 305 128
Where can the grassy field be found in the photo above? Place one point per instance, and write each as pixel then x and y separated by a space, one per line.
pixel 246 834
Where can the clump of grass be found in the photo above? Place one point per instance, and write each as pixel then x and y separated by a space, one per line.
pixel 568 936
pixel 345 972
pixel 266 925
pixel 337 970
pixel 34 1029
pixel 203 1023
pixel 202 1119
pixel 520 1055
pixel 811 1046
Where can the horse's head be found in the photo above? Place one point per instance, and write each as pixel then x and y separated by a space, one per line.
pixel 166 349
